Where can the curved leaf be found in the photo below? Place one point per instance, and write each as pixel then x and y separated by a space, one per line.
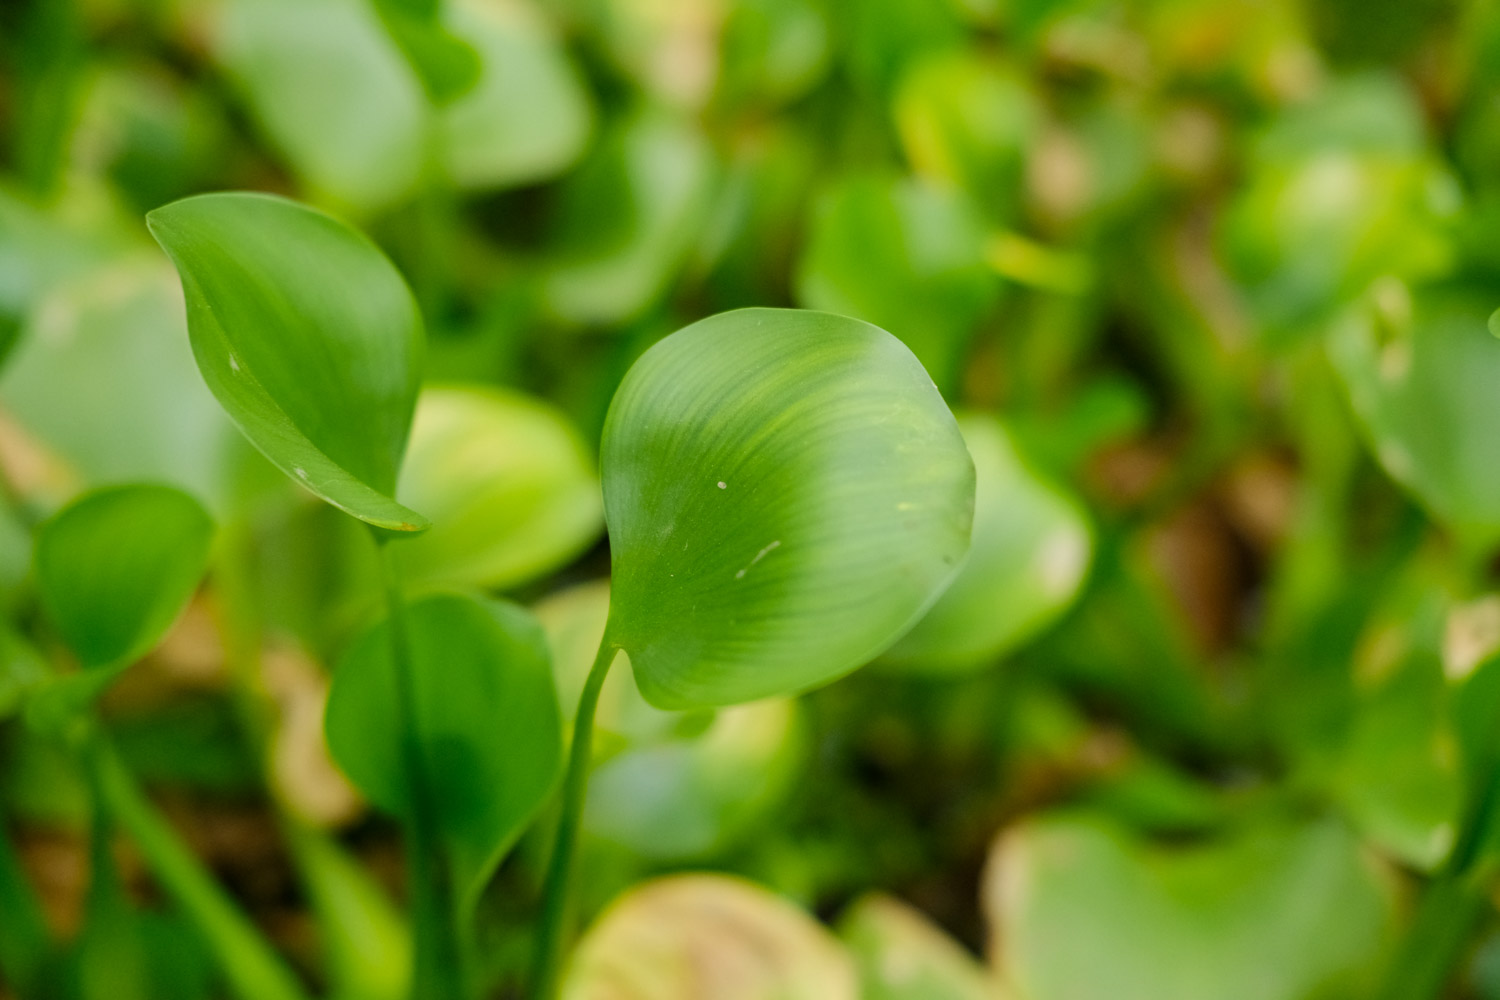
pixel 510 484
pixel 308 337
pixel 708 937
pixel 786 492
pixel 116 567
pixel 487 730
pixel 1030 550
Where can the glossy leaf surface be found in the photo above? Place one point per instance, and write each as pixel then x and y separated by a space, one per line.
pixel 708 937
pixel 1028 558
pixel 902 955
pixel 786 493
pixel 1079 908
pixel 116 567
pixel 308 337
pixel 510 486
pixel 487 732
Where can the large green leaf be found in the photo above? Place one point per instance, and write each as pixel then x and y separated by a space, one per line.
pixel 308 337
pixel 115 567
pixel 905 255
pixel 510 485
pixel 904 956
pixel 1079 908
pixel 1422 383
pixel 1030 551
pixel 708 937
pixel 484 726
pixel 786 493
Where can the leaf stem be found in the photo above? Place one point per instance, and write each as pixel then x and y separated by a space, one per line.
pixel 253 970
pixel 438 970
pixel 556 899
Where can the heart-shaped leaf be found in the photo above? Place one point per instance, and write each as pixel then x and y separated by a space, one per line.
pixel 1030 550
pixel 509 483
pixel 1422 385
pixel 115 568
pixel 308 337
pixel 708 937
pixel 486 731
pixel 904 956
pixel 786 492
pixel 1079 908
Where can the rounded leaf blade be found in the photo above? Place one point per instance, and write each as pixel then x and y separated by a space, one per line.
pixel 309 338
pixel 786 492
pixel 115 568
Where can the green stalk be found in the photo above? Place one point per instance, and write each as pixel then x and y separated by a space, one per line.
pixel 254 971
pixel 555 903
pixel 437 972
pixel 24 940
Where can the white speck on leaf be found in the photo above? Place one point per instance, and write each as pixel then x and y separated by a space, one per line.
pixel 758 557
pixel 301 472
pixel 234 363
pixel 723 485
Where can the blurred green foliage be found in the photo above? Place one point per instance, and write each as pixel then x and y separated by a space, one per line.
pixel 1211 709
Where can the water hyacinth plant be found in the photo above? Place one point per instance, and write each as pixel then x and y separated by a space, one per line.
pixel 749 500
pixel 786 494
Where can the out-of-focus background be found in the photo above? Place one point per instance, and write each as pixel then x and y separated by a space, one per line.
pixel 1208 282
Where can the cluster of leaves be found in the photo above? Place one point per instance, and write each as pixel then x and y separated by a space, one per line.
pixel 1202 703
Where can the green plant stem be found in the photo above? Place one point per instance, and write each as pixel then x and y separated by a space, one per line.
pixel 557 897
pixel 437 972
pixel 253 970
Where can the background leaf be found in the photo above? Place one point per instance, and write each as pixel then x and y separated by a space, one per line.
pixel 115 568
pixel 1028 558
pixel 707 937
pixel 487 729
pixel 308 336
pixel 511 487
pixel 1079 908
pixel 786 493
pixel 903 956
